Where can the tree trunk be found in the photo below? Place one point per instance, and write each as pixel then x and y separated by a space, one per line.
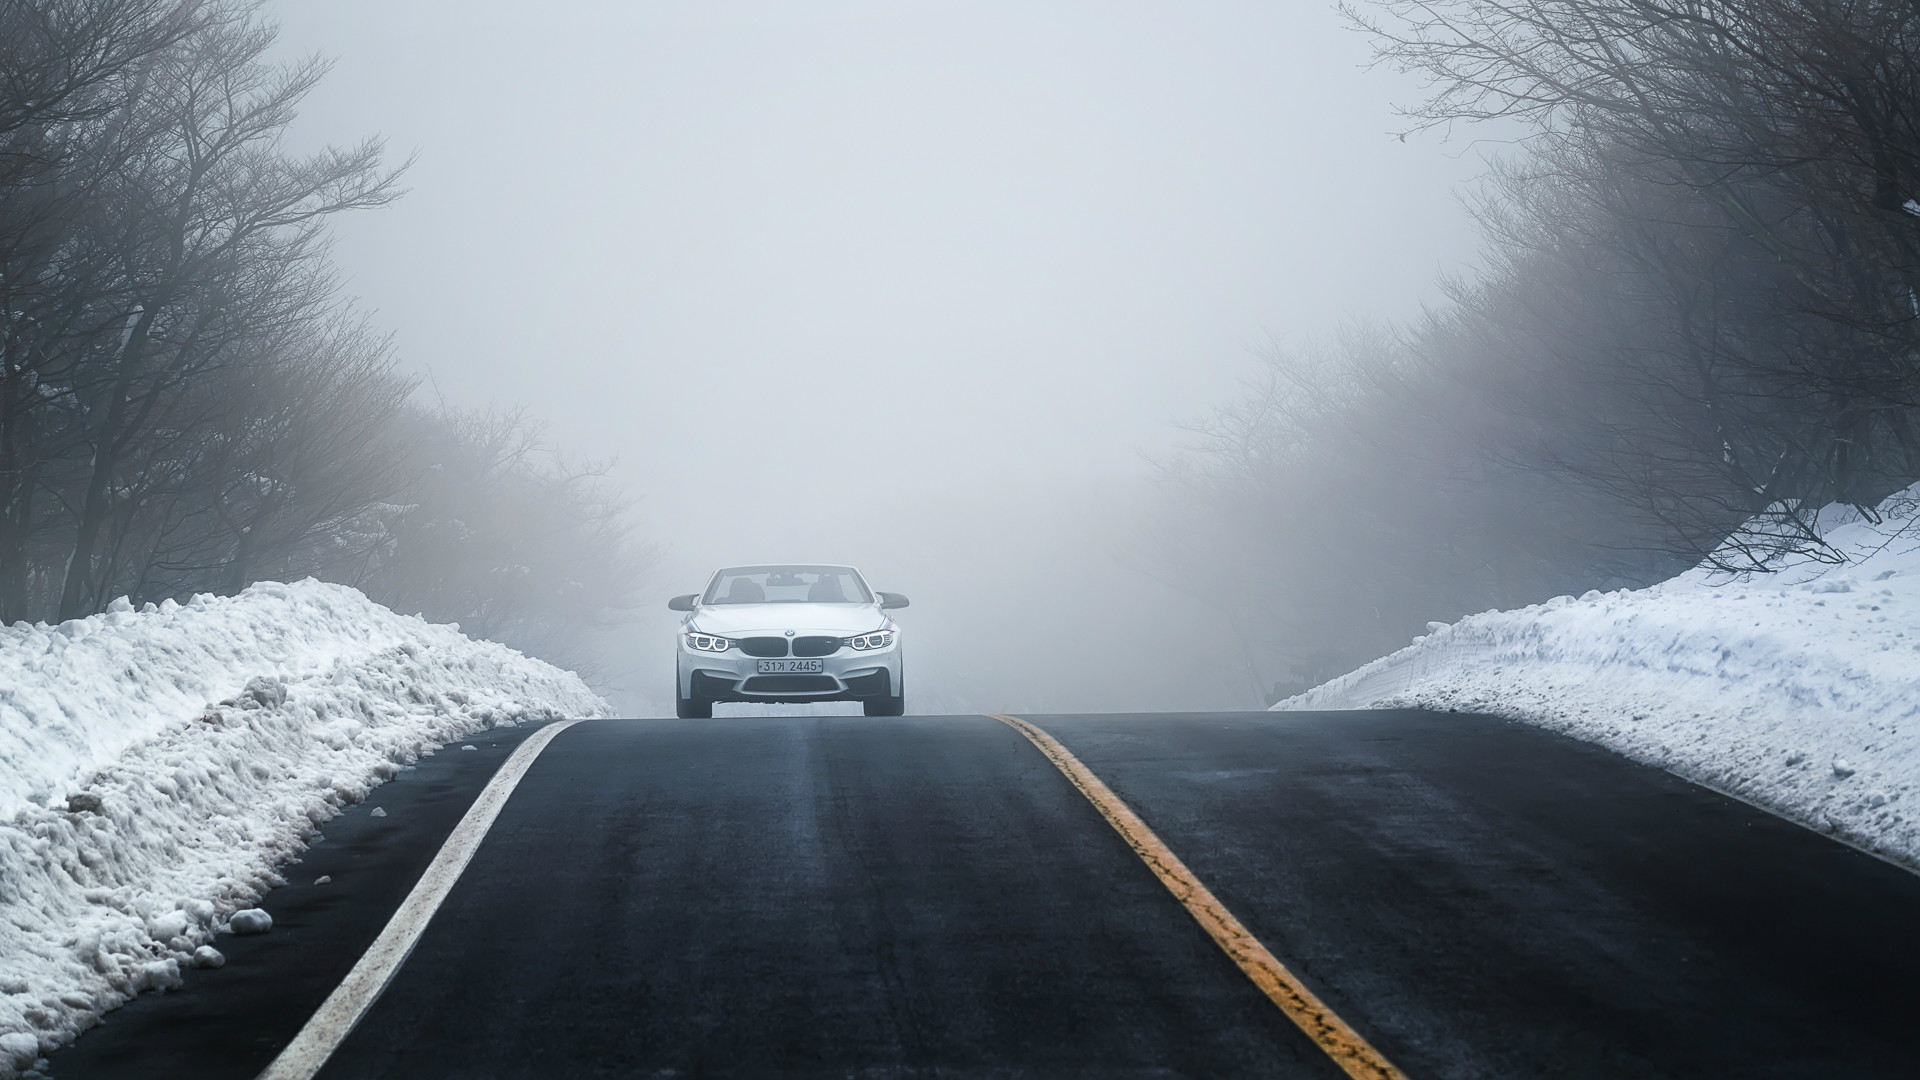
pixel 98 503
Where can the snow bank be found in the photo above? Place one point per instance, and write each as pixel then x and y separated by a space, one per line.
pixel 1798 691
pixel 155 766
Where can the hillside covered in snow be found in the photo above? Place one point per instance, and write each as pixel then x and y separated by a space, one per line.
pixel 1798 691
pixel 157 765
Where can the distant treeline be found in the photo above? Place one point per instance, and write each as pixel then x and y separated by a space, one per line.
pixel 1696 324
pixel 187 403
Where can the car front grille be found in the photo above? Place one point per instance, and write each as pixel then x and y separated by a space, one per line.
pixel 789 684
pixel 764 646
pixel 815 646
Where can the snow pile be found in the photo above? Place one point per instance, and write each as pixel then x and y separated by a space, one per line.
pixel 1798 691
pixel 136 818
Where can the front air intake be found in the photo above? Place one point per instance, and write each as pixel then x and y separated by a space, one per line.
pixel 790 684
pixel 764 646
pixel 872 684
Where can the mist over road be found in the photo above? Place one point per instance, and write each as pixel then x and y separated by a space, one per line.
pixel 834 896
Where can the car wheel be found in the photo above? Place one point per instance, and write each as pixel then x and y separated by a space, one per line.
pixel 692 708
pixel 895 705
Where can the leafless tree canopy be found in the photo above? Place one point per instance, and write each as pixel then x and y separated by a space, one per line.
pixel 1737 184
pixel 1697 322
pixel 186 401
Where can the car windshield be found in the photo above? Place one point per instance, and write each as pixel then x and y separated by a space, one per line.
pixel 787 585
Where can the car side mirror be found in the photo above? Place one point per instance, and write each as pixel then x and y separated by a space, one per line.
pixel 683 603
pixel 889 600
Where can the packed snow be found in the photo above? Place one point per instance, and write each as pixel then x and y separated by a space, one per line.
pixel 157 765
pixel 1797 690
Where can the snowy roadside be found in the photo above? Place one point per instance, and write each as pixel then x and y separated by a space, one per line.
pixel 1796 691
pixel 136 818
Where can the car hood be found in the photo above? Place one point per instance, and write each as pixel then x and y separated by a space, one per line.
pixel 727 619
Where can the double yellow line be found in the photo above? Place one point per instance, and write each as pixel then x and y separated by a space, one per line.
pixel 1343 1044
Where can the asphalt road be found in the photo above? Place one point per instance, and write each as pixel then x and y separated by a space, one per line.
pixel 928 896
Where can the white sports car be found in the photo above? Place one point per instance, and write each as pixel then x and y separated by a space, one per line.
pixel 789 634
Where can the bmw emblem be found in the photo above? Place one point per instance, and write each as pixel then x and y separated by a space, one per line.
pixel 789 633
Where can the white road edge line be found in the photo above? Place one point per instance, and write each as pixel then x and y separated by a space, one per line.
pixel 349 1002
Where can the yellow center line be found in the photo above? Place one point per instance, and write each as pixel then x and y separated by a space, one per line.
pixel 1343 1044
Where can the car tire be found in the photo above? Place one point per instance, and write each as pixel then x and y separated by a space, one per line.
pixel 692 708
pixel 894 705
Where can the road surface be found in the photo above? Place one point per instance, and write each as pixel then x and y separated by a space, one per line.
pixel 929 896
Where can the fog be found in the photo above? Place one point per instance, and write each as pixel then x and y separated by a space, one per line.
pixel 920 287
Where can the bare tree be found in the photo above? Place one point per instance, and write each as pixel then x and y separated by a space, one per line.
pixel 1362 487
pixel 276 451
pixel 186 401
pixel 1740 179
pixel 1697 322
pixel 68 69
pixel 218 238
pixel 504 535
pixel 58 58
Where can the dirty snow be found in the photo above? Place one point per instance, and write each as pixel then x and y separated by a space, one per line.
pixel 156 765
pixel 1797 690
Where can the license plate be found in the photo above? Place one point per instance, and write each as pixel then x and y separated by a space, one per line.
pixel 787 667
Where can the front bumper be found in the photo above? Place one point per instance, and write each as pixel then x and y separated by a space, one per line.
pixel 846 675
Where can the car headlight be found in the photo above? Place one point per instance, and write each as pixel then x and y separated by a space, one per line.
pixel 879 639
pixel 707 642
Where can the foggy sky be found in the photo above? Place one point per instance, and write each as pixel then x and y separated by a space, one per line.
pixel 914 286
